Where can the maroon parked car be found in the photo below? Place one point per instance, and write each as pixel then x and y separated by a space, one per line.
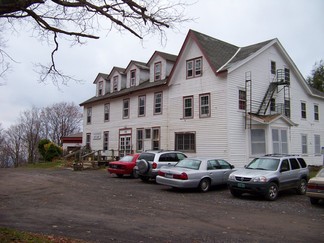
pixel 124 166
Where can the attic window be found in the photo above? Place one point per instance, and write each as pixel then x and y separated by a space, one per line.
pixel 157 71
pixel 273 67
pixel 100 88
pixel 115 83
pixel 133 77
pixel 194 67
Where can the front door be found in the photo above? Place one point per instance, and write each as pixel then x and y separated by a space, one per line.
pixel 125 146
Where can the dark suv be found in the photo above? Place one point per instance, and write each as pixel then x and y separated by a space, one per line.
pixel 270 174
pixel 149 162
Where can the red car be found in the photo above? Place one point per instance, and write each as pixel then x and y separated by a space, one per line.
pixel 124 166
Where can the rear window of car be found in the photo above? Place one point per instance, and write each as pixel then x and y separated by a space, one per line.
pixel 294 164
pixel 302 162
pixel 147 156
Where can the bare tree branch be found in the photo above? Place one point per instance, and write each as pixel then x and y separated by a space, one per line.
pixel 86 18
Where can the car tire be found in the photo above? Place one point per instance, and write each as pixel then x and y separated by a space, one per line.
pixel 143 166
pixel 236 193
pixel 272 192
pixel 144 178
pixel 119 175
pixel 302 186
pixel 204 185
pixel 313 200
pixel 134 174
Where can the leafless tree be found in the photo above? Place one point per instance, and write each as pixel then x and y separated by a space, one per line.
pixel 61 119
pixel 85 19
pixel 15 146
pixel 31 125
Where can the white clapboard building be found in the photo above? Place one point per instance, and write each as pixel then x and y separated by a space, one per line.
pixel 212 99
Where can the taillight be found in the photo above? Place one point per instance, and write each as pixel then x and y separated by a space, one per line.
pixel 315 186
pixel 182 176
pixel 311 186
pixel 160 173
pixel 154 165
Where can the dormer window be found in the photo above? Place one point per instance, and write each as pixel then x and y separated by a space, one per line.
pixel 100 88
pixel 115 83
pixel 157 71
pixel 194 67
pixel 133 77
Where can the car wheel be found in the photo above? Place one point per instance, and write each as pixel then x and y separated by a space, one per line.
pixel 313 200
pixel 272 192
pixel 236 193
pixel 143 166
pixel 301 190
pixel 119 175
pixel 144 178
pixel 204 185
pixel 134 174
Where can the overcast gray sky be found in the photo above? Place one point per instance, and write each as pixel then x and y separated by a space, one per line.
pixel 298 24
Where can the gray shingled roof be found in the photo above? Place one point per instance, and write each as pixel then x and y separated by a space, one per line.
pixel 245 52
pixel 145 85
pixel 216 51
pixel 219 52
pixel 168 56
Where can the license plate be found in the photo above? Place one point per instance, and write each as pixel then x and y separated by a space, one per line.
pixel 241 185
pixel 168 175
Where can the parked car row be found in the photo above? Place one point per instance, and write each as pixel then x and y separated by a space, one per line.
pixel 265 176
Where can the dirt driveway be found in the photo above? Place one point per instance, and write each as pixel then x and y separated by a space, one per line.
pixel 97 207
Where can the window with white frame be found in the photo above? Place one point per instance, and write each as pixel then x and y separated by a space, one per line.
pixel 89 115
pixel 106 112
pixel 185 142
pixel 279 141
pixel 148 133
pixel 100 88
pixel 317 144
pixel 258 142
pixel 204 110
pixel 141 105
pixel 105 140
pixel 155 138
pixel 188 107
pixel 157 103
pixel 242 99
pixel 287 107
pixel 126 108
pixel 316 113
pixel 157 71
pixel 273 104
pixel 194 67
pixel 139 140
pixel 303 109
pixel 273 67
pixel 133 77
pixel 304 144
pixel 287 75
pixel 88 140
pixel 115 83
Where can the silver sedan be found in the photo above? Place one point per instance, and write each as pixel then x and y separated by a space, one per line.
pixel 197 172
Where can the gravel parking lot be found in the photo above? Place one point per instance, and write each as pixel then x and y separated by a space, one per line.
pixel 97 207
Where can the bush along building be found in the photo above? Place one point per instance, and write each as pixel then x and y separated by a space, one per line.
pixel 212 99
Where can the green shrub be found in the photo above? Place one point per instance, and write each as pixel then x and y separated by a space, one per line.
pixel 49 150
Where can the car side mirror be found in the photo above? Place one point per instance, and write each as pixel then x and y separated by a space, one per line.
pixel 232 166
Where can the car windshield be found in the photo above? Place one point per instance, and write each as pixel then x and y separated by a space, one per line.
pixel 321 173
pixel 127 158
pixel 189 163
pixel 264 164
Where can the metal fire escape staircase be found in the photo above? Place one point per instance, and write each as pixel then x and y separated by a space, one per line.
pixel 282 78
